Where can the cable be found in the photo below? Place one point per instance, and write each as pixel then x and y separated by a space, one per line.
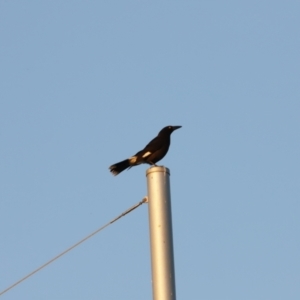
pixel 145 199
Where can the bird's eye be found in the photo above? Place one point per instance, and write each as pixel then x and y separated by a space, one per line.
pixel 170 127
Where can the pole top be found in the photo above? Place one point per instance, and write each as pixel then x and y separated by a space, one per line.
pixel 155 169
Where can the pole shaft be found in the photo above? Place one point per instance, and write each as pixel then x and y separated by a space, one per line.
pixel 161 238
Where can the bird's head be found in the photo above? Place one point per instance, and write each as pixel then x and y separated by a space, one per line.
pixel 169 129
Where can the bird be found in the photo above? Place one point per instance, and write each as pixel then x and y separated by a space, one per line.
pixel 154 151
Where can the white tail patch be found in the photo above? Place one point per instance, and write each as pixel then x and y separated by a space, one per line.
pixel 132 159
pixel 147 154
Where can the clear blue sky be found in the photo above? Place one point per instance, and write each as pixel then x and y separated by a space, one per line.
pixel 84 84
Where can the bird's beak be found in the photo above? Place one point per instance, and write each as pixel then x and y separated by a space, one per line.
pixel 176 127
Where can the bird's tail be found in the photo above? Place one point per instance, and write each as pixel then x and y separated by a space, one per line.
pixel 120 166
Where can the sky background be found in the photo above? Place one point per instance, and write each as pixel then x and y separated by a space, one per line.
pixel 85 84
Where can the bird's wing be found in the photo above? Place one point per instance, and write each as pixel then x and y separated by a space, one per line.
pixel 151 147
pixel 154 145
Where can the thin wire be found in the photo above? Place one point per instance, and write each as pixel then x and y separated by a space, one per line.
pixel 145 199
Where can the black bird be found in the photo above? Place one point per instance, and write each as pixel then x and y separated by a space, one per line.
pixel 151 154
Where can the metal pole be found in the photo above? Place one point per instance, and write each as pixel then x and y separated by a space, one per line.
pixel 161 238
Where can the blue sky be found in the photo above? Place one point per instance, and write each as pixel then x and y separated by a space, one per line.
pixel 85 84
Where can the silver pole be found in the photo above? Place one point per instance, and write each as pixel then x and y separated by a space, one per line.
pixel 161 238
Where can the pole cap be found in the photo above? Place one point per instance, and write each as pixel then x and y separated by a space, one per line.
pixel 154 169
